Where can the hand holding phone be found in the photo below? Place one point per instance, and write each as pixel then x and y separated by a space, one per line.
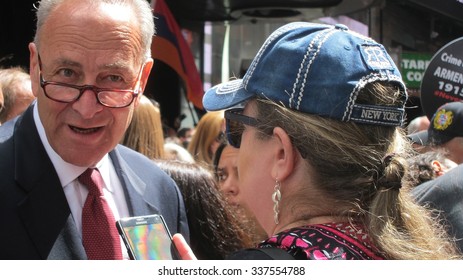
pixel 147 238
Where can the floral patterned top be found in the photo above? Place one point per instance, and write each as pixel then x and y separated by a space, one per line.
pixel 331 241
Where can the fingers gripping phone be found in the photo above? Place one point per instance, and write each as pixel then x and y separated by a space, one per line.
pixel 147 238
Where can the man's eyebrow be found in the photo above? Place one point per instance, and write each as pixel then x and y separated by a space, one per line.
pixel 73 63
pixel 66 62
pixel 116 65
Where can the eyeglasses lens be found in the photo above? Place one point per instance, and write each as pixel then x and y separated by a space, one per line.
pixel 234 131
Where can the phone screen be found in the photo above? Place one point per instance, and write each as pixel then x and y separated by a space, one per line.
pixel 148 238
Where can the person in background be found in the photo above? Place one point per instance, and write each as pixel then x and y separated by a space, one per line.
pixel 207 137
pixel 65 180
pixel 418 124
pixel 226 175
pixel 145 134
pixel 185 134
pixel 322 155
pixel 215 230
pixel 175 151
pixel 445 193
pixel 445 132
pixel 17 92
pixel 427 166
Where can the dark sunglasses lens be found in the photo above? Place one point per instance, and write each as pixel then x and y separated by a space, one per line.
pixel 234 132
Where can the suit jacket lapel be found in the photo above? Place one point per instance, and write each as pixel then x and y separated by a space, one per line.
pixel 44 210
pixel 68 246
pixel 134 188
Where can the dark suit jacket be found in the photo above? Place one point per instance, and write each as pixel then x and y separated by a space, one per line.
pixel 36 221
pixel 445 194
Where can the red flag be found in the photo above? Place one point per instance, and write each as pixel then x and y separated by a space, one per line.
pixel 170 47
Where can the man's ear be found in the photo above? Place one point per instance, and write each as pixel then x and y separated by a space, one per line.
pixel 285 154
pixel 145 73
pixel 34 68
pixel 437 166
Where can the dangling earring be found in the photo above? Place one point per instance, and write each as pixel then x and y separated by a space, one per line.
pixel 276 197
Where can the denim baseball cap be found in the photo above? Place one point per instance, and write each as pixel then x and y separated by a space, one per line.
pixel 316 69
pixel 446 124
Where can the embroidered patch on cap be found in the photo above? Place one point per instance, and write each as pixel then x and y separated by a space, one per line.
pixel 376 57
pixel 372 114
pixel 443 119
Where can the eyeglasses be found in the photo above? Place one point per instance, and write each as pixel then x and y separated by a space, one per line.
pixel 66 93
pixel 235 121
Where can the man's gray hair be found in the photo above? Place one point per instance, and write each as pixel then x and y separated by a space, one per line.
pixel 141 8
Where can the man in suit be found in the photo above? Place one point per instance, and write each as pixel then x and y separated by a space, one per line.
pixel 89 64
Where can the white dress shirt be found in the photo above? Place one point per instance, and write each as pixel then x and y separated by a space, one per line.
pixel 75 192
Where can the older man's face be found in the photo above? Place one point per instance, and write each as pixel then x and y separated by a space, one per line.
pixel 98 46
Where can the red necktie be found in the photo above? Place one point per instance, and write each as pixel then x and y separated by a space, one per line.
pixel 99 234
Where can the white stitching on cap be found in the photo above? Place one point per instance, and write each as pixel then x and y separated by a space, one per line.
pixel 293 92
pixel 267 42
pixel 327 33
pixel 370 121
pixel 353 94
pixel 373 77
pixel 291 97
pixel 229 87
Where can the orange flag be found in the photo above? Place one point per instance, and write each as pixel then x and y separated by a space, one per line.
pixel 170 47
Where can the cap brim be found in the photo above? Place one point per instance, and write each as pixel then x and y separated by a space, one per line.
pixel 225 95
pixel 436 138
pixel 420 138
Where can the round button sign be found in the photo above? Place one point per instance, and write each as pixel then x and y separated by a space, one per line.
pixel 443 79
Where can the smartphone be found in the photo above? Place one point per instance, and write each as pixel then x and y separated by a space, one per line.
pixel 147 238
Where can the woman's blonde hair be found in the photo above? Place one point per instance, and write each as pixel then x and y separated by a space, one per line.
pixel 360 170
pixel 145 134
pixel 206 132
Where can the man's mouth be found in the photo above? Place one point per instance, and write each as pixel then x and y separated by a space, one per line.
pixel 85 130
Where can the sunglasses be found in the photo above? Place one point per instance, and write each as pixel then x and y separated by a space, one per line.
pixel 235 122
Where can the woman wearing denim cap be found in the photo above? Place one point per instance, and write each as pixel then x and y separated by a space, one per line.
pixel 322 154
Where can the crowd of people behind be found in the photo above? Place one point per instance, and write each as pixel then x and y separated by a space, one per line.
pixel 301 171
